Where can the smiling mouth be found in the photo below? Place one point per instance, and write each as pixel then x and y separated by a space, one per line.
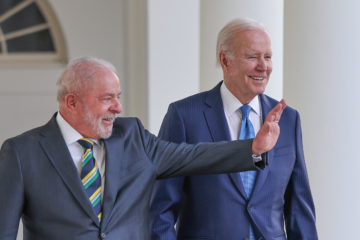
pixel 109 119
pixel 257 78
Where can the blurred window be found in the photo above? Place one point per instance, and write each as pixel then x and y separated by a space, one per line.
pixel 30 33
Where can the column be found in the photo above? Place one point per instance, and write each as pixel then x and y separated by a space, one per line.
pixel 173 55
pixel 321 80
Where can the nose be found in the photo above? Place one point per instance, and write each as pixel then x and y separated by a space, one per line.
pixel 262 64
pixel 116 107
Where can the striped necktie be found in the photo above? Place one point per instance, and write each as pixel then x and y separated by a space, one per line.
pixel 248 177
pixel 90 176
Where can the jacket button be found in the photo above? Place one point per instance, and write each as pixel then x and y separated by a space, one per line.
pixel 103 235
pixel 249 207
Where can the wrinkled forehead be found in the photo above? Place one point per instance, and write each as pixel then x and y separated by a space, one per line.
pixel 97 75
pixel 101 81
pixel 251 38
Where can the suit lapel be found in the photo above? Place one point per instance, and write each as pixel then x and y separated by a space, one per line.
pixel 218 127
pixel 114 151
pixel 57 152
pixel 215 117
pixel 262 175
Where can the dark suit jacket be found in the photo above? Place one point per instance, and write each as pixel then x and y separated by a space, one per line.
pixel 40 183
pixel 215 207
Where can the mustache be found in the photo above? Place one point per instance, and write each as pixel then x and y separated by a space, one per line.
pixel 109 116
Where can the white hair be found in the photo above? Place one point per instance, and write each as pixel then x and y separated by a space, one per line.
pixel 79 74
pixel 227 34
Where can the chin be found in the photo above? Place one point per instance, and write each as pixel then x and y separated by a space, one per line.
pixel 104 132
pixel 259 90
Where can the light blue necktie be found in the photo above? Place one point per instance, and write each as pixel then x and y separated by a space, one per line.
pixel 248 177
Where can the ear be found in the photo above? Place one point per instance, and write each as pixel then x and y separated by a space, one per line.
pixel 224 61
pixel 71 101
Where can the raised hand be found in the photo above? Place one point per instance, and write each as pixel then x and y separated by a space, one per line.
pixel 269 133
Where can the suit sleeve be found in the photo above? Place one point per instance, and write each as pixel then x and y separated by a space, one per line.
pixel 170 159
pixel 167 194
pixel 299 209
pixel 12 192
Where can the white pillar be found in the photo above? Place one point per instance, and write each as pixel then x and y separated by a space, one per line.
pixel 173 55
pixel 215 14
pixel 321 73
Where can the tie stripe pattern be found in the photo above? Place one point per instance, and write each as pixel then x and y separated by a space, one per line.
pixel 248 177
pixel 90 176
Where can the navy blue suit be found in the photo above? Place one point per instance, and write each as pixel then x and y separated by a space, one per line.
pixel 215 206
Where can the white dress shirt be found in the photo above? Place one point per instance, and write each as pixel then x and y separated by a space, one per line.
pixel 76 151
pixel 233 113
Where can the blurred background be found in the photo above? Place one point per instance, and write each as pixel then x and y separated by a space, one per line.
pixel 164 50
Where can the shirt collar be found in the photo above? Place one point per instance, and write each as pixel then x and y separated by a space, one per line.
pixel 69 133
pixel 232 104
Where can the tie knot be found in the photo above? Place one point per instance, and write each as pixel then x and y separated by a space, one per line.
pixel 245 110
pixel 86 143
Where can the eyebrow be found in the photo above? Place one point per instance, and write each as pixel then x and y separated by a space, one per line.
pixel 257 54
pixel 110 94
